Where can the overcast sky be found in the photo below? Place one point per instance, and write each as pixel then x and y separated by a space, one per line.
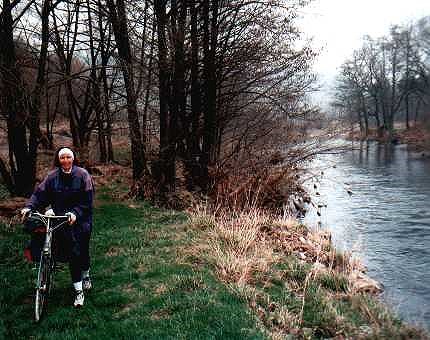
pixel 339 25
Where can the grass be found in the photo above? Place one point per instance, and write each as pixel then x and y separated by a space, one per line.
pixel 260 257
pixel 143 286
pixel 161 274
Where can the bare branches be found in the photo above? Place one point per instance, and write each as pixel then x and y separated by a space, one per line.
pixel 386 79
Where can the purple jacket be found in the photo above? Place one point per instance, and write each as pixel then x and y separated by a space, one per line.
pixel 67 193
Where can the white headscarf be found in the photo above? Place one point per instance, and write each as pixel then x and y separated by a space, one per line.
pixel 66 151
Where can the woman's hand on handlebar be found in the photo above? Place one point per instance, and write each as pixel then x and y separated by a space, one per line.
pixel 72 218
pixel 24 213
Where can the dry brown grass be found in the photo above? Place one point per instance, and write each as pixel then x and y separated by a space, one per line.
pixel 245 250
pixel 235 246
pixel 240 249
pixel 268 181
pixel 416 137
pixel 200 218
pixel 111 174
pixel 243 243
pixel 382 323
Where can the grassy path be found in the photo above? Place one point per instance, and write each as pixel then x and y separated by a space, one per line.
pixel 143 286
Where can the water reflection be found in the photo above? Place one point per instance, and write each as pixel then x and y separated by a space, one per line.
pixel 386 220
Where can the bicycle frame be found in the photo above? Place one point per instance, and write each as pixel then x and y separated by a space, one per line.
pixel 46 264
pixel 46 220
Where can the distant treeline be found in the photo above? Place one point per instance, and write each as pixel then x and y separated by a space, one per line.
pixel 387 80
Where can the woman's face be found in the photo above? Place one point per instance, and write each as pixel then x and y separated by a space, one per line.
pixel 66 161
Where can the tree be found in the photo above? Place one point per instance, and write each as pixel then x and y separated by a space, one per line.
pixel 118 18
pixel 212 85
pixel 386 75
pixel 20 116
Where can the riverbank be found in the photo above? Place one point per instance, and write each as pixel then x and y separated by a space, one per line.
pixel 417 138
pixel 374 200
pixel 293 279
pixel 160 274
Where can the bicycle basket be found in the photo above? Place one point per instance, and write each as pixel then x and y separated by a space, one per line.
pixel 33 249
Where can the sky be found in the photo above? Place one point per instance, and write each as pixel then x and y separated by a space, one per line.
pixel 337 27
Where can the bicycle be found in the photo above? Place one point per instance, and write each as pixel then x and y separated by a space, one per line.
pixel 45 275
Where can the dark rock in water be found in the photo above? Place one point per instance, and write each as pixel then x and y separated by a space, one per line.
pixel 299 206
pixel 349 192
pixel 395 140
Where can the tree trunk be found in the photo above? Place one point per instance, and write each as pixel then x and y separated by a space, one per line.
pixel 193 152
pixel 393 94
pixel 34 121
pixel 22 157
pixel 118 17
pixel 149 83
pixel 417 110
pixel 379 128
pixel 178 98
pixel 164 94
pixel 407 111
pixel 210 36
pixel 105 56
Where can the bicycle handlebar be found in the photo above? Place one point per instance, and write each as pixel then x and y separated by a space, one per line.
pixel 31 214
pixel 45 219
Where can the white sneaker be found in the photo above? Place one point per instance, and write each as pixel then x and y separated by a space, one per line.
pixel 79 299
pixel 86 283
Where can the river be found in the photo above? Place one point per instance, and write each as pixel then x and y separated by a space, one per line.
pixel 378 205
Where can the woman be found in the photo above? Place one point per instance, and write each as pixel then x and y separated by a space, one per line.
pixel 68 189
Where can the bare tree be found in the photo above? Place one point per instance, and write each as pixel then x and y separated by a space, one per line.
pixel 118 18
pixel 387 76
pixel 22 109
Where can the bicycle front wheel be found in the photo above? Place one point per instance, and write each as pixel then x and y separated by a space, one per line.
pixel 42 286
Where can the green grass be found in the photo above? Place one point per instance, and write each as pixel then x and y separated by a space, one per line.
pixel 334 282
pixel 143 287
pixel 150 283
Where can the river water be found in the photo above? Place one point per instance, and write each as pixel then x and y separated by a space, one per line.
pixel 384 218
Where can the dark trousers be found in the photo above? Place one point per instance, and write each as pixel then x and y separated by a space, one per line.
pixel 80 259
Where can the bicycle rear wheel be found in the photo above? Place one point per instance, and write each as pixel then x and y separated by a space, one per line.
pixel 43 285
